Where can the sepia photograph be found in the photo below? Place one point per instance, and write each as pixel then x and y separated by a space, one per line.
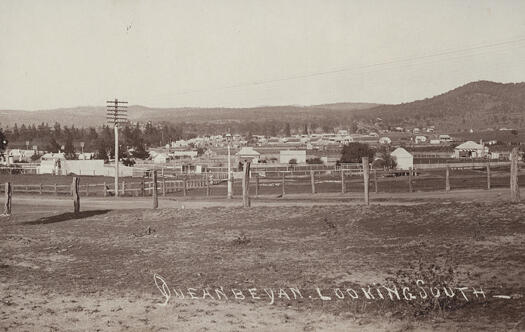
pixel 262 165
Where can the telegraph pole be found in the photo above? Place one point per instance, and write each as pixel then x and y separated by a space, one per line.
pixel 116 112
pixel 230 184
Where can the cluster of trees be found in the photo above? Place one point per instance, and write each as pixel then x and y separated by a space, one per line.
pixel 355 151
pixel 133 140
pixel 276 127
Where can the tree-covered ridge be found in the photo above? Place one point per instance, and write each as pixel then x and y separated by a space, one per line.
pixel 475 105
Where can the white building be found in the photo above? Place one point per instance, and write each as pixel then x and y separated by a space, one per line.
pixel 420 139
pixel 55 156
pixel 403 158
pixel 185 153
pixel 160 158
pixel 286 155
pixel 470 149
pixel 179 144
pixel 86 156
pixel 445 138
pixel 78 167
pixel 248 153
pixel 19 155
pixel 385 140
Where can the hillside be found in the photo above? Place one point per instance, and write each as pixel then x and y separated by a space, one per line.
pixel 95 115
pixel 475 105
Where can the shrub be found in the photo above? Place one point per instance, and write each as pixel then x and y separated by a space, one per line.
pixel 433 275
pixel 315 160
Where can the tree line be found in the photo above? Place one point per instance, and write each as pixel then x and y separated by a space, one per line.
pixel 133 139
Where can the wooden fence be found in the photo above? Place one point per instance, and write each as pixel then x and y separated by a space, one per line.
pixel 142 188
pixel 280 182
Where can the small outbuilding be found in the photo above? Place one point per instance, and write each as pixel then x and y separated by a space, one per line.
pixel 471 149
pixel 160 158
pixel 248 153
pixel 403 158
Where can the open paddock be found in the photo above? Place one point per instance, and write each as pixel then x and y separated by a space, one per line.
pixel 96 270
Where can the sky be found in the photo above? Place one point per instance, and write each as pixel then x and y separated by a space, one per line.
pixel 250 53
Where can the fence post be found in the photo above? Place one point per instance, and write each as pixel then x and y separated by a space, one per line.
pixel 41 188
pixel 105 191
pixel 76 196
pixel 8 196
pixel 87 189
pixel 163 183
pixel 488 176
pixel 155 198
pixel 246 185
pixel 283 192
pixel 184 187
pixel 312 179
pixel 207 185
pixel 514 185
pixel 366 179
pixel 142 188
pixel 447 179
pixel 123 188
pixel 56 190
pixel 410 188
pixel 375 181
pixel 343 184
pixel 256 184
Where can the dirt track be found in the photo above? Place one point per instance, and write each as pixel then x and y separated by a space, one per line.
pixel 59 272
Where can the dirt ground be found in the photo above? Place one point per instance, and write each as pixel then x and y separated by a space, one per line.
pixel 96 271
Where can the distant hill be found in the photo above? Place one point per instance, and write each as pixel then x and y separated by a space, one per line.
pixel 95 116
pixel 476 105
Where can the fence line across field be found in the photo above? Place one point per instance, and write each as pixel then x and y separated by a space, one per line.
pixel 207 180
pixel 290 181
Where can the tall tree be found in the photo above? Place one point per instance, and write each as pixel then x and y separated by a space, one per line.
pixel 287 131
pixel 53 146
pixel 57 130
pixel 16 133
pixel 69 148
pixel 102 150
pixel 137 142
pixel 3 143
pixel 353 152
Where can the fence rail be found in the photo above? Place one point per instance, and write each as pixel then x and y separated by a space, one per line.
pixel 269 182
pixel 130 188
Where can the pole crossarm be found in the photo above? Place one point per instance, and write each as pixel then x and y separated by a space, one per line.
pixel 116 113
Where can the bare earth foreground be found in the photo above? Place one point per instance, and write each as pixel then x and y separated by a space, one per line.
pixel 283 266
